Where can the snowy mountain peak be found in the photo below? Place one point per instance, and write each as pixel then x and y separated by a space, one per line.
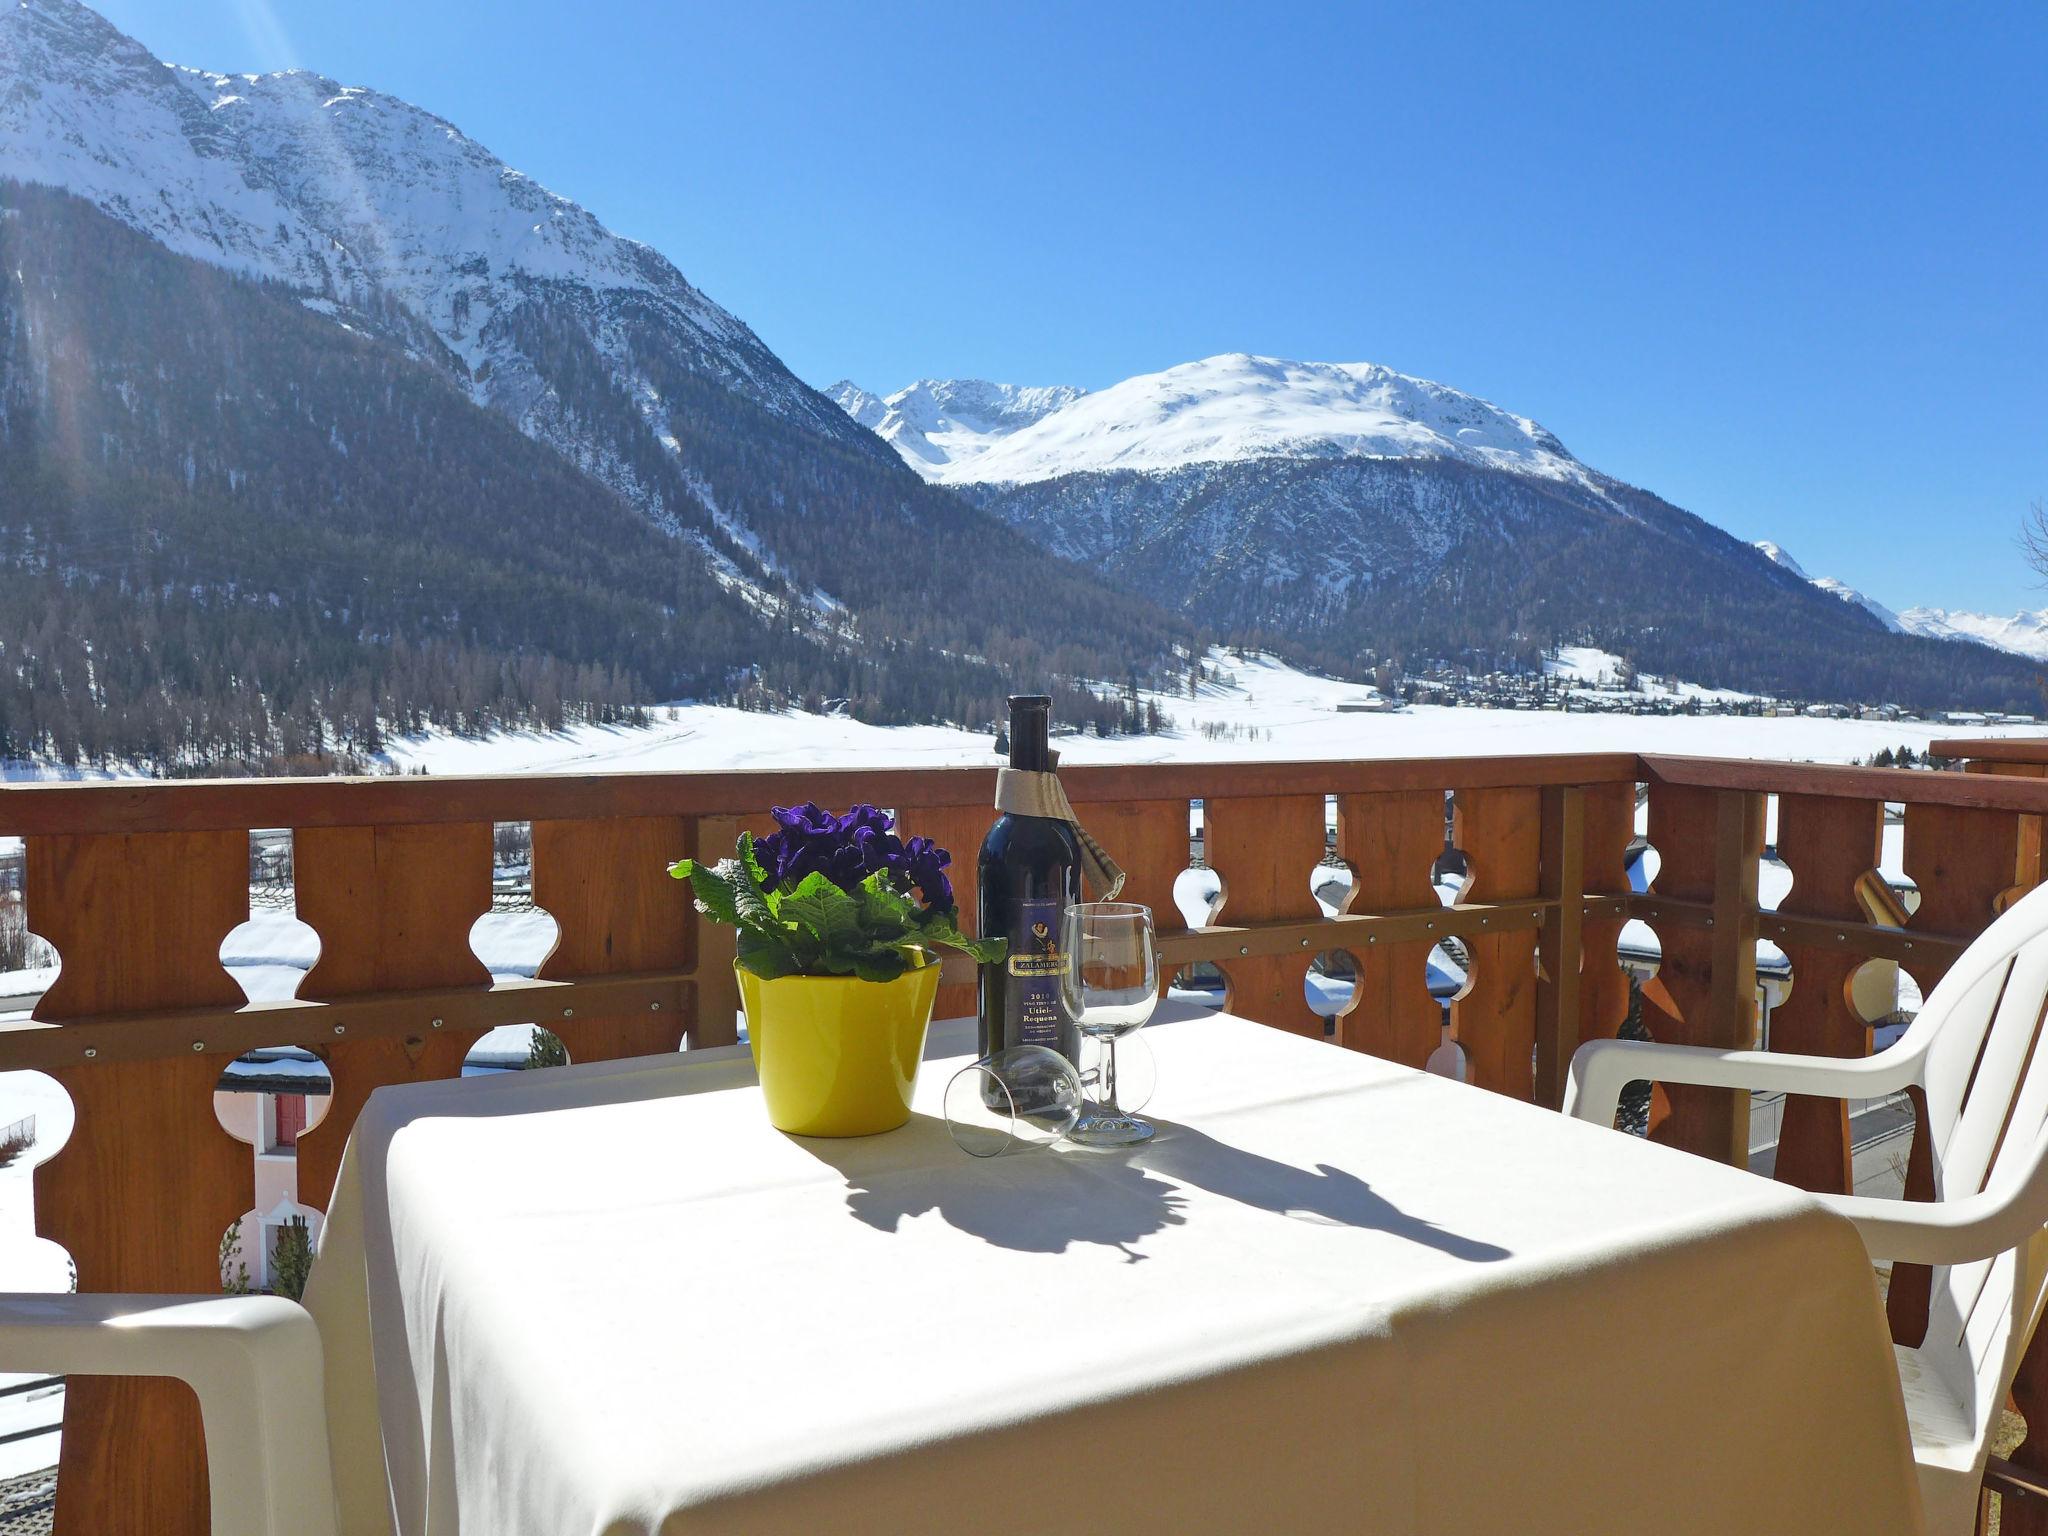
pixel 1224 409
pixel 940 426
pixel 342 192
pixel 2024 634
pixel 1777 554
pixel 862 405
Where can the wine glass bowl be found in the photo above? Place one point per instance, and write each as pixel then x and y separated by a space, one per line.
pixel 1014 1100
pixel 1109 985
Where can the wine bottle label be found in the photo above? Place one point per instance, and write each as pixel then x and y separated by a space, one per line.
pixel 1034 965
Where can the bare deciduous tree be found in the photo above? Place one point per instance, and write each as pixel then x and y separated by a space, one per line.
pixel 2034 537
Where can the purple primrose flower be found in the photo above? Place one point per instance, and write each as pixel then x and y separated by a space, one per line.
pixel 847 849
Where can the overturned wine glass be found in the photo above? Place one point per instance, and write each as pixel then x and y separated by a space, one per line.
pixel 1012 1101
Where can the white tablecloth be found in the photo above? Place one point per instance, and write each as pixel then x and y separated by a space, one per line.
pixel 1333 1295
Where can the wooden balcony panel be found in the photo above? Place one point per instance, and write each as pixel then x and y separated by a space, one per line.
pixel 1830 845
pixel 1708 843
pixel 607 886
pixel 1263 851
pixel 146 1186
pixel 393 906
pixel 1494 1020
pixel 1391 840
pixel 1610 826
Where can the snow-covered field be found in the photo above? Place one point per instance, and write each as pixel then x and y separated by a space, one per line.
pixel 1265 711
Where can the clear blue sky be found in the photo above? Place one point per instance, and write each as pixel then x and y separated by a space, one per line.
pixel 1786 265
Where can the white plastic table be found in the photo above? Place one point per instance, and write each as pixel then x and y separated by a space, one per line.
pixel 1332 1295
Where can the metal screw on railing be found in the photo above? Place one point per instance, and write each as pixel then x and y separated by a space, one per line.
pixel 437 1023
pixel 654 1007
pixel 198 1045
pixel 90 1053
pixel 341 1029
pixel 568 1013
pixel 1244 949
pixel 1372 938
pixel 1841 938
pixel 1304 943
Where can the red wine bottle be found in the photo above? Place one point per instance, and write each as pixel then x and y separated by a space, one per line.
pixel 1030 874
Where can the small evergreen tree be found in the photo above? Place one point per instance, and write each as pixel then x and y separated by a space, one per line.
pixel 291 1261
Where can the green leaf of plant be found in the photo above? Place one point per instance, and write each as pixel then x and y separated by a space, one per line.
pixel 766 957
pixel 826 913
pixel 885 912
pixel 750 905
pixel 944 928
pixel 751 861
pixel 886 965
pixel 715 896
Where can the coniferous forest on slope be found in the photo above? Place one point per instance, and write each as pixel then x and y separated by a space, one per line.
pixel 234 533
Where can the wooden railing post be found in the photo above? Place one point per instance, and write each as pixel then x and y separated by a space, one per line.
pixel 1560 944
pixel 1708 843
pixel 1263 851
pixel 1830 845
pixel 145 1188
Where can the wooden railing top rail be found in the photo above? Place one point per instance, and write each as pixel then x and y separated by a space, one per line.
pixel 200 805
pixel 1966 790
pixel 1993 749
pixel 203 805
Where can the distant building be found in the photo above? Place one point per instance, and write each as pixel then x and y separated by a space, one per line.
pixel 270 1098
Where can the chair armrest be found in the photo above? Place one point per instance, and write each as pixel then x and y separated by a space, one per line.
pixel 1602 1068
pixel 254 1363
pixel 1959 1231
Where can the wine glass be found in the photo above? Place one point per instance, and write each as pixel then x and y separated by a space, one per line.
pixel 1012 1101
pixel 1108 987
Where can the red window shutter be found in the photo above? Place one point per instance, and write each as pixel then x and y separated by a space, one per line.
pixel 291 1118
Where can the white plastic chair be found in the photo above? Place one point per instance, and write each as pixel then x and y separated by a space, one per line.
pixel 254 1362
pixel 1973 1052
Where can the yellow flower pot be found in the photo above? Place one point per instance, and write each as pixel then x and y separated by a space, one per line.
pixel 837 1055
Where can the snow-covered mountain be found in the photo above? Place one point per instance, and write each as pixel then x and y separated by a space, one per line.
pixel 1778 555
pixel 354 197
pixel 2023 634
pixel 361 253
pixel 942 426
pixel 1355 509
pixel 1228 409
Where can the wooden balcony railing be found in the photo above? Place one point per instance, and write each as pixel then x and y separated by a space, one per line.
pixel 136 886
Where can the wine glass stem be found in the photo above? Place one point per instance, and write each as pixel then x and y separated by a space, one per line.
pixel 1109 1077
